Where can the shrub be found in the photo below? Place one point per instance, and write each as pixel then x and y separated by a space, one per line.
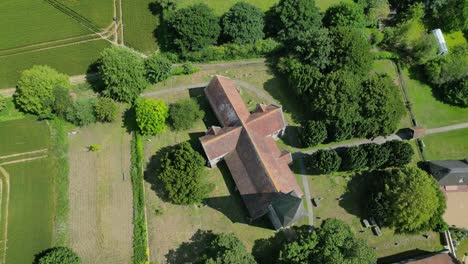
pixel 193 28
pixel 400 153
pixel 151 116
pixel 181 173
pixel 353 158
pixel 384 55
pixel 157 68
pixel 227 248
pixel 3 102
pixel 123 73
pixel 35 89
pixel 345 15
pixel 94 148
pixel 184 114
pixel 58 255
pixel 106 109
pixel 82 112
pixel 324 161
pixel 62 101
pixel 376 155
pixel 313 133
pixel 243 23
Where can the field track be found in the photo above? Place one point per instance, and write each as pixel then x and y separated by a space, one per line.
pixel 4 210
pixel 23 160
pixel 22 153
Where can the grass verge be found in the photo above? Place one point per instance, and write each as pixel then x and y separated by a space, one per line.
pixel 448 145
pixel 140 246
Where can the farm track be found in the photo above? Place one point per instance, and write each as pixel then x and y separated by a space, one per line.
pixel 22 153
pixel 4 209
pixel 23 160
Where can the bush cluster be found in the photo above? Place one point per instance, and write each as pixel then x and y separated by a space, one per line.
pixel 151 115
pixel 393 153
pixel 184 114
pixel 58 255
pixel 85 111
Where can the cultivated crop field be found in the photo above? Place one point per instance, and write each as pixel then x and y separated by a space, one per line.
pixel 27 200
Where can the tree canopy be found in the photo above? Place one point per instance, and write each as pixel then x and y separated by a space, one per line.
pixel 58 255
pixel 151 115
pixel 228 249
pixel 106 109
pixel 243 23
pixel 35 89
pixel 181 172
pixel 184 114
pixel 324 161
pixel 407 199
pixel 353 158
pixel 345 14
pixel 401 153
pixel 157 68
pixel 194 27
pixel 313 133
pixel 123 73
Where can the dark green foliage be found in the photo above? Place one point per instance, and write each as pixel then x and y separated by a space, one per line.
pixel 375 10
pixel 401 153
pixel 228 249
pixel 315 48
pixel 193 28
pixel 181 173
pixel 35 89
pixel 243 23
pixel 407 199
pixel 353 158
pixel 324 161
pixel 291 18
pixel 62 101
pixel 425 49
pixel 106 109
pixel 184 114
pixel 2 102
pixel 332 243
pixel 157 68
pixel 139 222
pixel 456 93
pixel 450 15
pixel 82 112
pixel 449 68
pixel 381 106
pixel 303 78
pixel 59 255
pixel 151 115
pixel 123 73
pixel 345 15
pixel 313 133
pixel 376 155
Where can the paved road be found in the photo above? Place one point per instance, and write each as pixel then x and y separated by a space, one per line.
pixel 446 128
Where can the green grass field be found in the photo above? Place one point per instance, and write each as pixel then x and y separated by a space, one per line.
pixel 72 60
pixel 428 110
pixel 448 145
pixel 30 204
pixel 100 12
pixel 462 249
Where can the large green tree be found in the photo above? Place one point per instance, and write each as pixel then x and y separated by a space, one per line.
pixel 456 93
pixel 376 155
pixel 449 68
pixel 381 106
pixel 157 67
pixel 407 199
pixel 58 255
pixel 194 27
pixel 181 172
pixel 228 249
pixel 353 158
pixel 313 133
pixel 401 153
pixel 243 24
pixel 324 161
pixel 151 115
pixel 35 89
pixel 345 15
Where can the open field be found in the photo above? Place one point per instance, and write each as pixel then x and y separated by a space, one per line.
pixel 333 187
pixel 448 145
pixel 27 189
pixel 99 12
pixel 428 110
pixel 101 194
pixel 72 60
pixel 177 224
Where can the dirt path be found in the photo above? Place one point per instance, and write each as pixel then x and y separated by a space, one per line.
pixel 101 227
pixel 446 128
pixel 23 160
pixel 6 178
pixel 121 24
pixel 22 154
pixel 45 43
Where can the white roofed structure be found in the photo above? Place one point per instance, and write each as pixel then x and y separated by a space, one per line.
pixel 441 41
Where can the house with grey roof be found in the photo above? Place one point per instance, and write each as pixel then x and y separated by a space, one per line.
pixel 451 174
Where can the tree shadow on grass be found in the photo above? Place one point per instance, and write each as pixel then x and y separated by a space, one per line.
pixel 291 137
pixel 93 78
pixel 129 120
pixel 198 94
pixel 355 199
pixel 151 173
pixel 192 251
pixel 161 33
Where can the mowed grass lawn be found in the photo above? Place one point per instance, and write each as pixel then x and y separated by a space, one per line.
pixel 332 187
pixel 448 145
pixel 31 206
pixel 429 111
pixel 72 60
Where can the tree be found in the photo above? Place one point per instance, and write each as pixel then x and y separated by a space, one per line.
pixel 314 47
pixel 376 10
pixel 184 114
pixel 448 68
pixel 345 15
pixel 158 68
pixel 35 89
pixel 293 17
pixel 456 93
pixel 181 173
pixel 376 155
pixel 401 153
pixel 450 15
pixel 3 102
pixel 106 109
pixel 353 158
pixel 324 161
pixel 407 199
pixel 302 78
pixel 337 244
pixel 82 112
pixel 228 249
pixel 194 27
pixel 381 106
pixel 313 133
pixel 151 116
pixel 123 73
pixel 58 255
pixel 243 24
pixel 62 101
pixel 299 251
